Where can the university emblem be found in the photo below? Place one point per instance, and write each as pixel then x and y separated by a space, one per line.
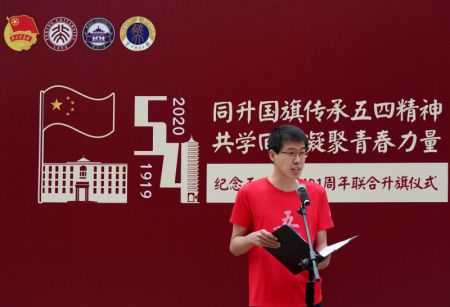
pixel 20 32
pixel 98 34
pixel 137 33
pixel 60 33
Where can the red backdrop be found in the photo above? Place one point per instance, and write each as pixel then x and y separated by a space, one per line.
pixel 158 252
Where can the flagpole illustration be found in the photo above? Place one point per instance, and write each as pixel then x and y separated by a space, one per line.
pixel 41 147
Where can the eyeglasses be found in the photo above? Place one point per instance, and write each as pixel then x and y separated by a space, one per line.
pixel 293 154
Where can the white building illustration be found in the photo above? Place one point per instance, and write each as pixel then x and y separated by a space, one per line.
pixel 84 181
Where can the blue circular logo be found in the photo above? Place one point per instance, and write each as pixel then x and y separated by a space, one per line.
pixel 137 33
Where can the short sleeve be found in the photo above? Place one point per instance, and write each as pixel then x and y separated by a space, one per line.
pixel 325 221
pixel 241 214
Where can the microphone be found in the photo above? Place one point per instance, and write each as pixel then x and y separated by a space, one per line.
pixel 303 194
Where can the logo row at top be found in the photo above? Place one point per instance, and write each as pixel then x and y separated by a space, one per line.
pixel 60 33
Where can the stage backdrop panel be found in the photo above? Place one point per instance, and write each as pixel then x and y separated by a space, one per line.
pixel 128 128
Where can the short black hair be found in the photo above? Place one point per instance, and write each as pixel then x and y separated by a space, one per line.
pixel 284 133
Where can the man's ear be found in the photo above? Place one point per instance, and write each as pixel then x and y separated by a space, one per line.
pixel 272 155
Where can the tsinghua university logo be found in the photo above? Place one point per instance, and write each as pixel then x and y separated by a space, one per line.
pixel 82 180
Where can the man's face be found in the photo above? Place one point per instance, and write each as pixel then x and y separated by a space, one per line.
pixel 289 162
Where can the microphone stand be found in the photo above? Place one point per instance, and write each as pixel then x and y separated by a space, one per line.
pixel 310 263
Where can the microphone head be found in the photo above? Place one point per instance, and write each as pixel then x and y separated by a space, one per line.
pixel 303 194
pixel 301 186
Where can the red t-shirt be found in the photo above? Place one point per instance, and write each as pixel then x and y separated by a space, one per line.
pixel 260 205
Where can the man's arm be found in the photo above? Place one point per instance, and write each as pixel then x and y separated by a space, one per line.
pixel 242 241
pixel 321 243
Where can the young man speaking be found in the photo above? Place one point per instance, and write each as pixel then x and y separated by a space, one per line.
pixel 266 204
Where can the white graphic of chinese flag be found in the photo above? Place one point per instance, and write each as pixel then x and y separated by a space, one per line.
pixel 64 107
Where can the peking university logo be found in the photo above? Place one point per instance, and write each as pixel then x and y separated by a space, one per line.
pixel 60 33
pixel 73 127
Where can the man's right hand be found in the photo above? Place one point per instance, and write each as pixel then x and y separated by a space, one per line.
pixel 263 238
pixel 242 241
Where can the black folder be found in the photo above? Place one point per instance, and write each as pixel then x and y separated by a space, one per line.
pixel 294 249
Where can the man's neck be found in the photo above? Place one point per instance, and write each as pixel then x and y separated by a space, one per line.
pixel 284 184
